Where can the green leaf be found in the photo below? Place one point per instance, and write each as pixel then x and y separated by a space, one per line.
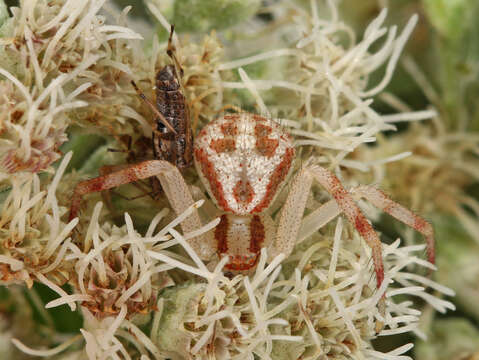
pixel 203 16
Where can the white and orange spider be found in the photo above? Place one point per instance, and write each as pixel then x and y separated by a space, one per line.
pixel 243 161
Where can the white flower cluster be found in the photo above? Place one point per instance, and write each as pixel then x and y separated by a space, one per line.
pixel 318 303
pixel 51 45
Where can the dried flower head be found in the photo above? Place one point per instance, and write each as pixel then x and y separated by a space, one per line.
pixel 57 51
pixel 34 239
pixel 113 269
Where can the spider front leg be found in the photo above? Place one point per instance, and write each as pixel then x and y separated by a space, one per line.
pixel 380 200
pixel 329 210
pixel 343 202
pixel 173 184
pixel 354 215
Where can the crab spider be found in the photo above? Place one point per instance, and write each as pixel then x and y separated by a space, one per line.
pixel 243 161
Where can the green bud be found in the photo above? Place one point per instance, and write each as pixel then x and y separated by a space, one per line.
pixel 180 302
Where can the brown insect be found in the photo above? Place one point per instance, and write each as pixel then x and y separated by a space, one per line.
pixel 172 137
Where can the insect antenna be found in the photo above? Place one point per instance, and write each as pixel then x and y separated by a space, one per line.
pixel 171 49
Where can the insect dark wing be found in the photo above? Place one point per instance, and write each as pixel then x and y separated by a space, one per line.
pixel 176 148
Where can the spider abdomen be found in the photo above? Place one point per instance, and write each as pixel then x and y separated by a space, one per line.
pixel 244 160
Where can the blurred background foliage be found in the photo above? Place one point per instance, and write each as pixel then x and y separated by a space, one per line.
pixel 445 48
